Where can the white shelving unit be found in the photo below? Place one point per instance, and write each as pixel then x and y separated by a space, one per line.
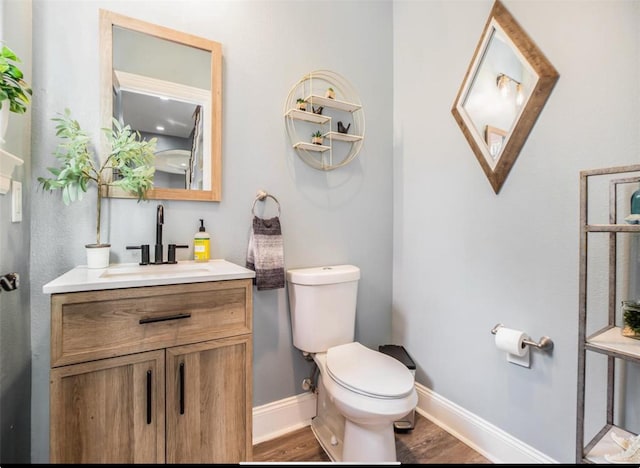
pixel 8 162
pixel 303 145
pixel 607 341
pixel 334 103
pixel 342 136
pixel 338 149
pixel 307 116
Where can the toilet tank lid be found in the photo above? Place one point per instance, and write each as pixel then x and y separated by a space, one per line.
pixel 324 274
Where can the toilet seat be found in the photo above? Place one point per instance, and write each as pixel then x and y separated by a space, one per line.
pixel 368 372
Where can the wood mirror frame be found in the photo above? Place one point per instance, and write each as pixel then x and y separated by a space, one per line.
pixel 109 20
pixel 497 167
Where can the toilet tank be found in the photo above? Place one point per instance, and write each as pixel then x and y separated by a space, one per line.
pixel 322 303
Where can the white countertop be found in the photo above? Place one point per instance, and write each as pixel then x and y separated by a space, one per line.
pixel 132 275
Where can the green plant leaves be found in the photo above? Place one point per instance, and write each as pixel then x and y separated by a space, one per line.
pixel 133 158
pixel 12 85
pixel 632 319
pixel 130 155
pixel 77 166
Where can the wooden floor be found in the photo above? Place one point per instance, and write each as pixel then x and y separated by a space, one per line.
pixel 426 443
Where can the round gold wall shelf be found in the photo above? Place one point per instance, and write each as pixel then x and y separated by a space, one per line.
pixel 325 104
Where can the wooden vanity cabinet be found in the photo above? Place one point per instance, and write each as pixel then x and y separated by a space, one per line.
pixel 152 374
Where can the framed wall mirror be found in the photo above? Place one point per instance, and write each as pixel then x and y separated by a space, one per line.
pixel 167 85
pixel 503 92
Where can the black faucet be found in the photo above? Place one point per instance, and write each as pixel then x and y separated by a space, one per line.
pixel 159 222
pixel 158 254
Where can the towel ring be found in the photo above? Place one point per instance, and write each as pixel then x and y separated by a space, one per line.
pixel 262 195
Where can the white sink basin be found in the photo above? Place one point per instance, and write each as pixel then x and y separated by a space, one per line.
pixel 164 270
pixel 131 275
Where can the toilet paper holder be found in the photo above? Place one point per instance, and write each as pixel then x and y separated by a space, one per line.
pixel 545 344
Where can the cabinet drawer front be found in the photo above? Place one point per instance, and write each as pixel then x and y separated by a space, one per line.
pixel 101 324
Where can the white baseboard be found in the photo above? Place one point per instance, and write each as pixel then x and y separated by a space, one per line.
pixel 490 441
pixel 280 417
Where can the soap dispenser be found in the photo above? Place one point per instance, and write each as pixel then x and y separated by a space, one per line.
pixel 201 244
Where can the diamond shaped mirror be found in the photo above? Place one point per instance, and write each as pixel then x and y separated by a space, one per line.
pixel 503 92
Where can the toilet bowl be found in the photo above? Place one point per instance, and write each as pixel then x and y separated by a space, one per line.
pixel 360 392
pixel 368 391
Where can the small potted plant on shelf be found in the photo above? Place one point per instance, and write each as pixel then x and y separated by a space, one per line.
pixel 331 94
pixel 129 155
pixel 316 138
pixel 301 104
pixel 631 319
pixel 14 91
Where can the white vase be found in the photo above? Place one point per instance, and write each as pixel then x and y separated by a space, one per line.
pixel 97 255
pixel 4 120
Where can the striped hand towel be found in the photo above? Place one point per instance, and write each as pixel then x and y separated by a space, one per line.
pixel 265 254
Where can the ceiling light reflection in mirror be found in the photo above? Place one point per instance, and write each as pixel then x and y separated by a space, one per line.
pixel 165 96
pixel 502 84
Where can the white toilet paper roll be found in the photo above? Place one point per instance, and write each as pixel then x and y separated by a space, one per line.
pixel 511 341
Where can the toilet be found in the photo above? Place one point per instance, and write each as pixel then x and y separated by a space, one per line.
pixel 360 391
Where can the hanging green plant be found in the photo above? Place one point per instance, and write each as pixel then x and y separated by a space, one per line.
pixel 13 88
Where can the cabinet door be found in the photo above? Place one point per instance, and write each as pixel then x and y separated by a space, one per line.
pixel 209 402
pixel 109 411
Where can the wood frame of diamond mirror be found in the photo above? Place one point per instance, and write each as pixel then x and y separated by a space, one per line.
pixel 507 70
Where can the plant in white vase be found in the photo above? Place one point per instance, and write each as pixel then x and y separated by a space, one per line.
pixel 131 156
pixel 14 91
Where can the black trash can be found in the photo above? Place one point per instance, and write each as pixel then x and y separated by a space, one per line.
pixel 407 422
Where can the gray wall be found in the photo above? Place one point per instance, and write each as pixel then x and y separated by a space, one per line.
pixel 465 258
pixel 342 216
pixel 15 346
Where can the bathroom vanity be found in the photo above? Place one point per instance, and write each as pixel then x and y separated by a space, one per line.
pixel 151 364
